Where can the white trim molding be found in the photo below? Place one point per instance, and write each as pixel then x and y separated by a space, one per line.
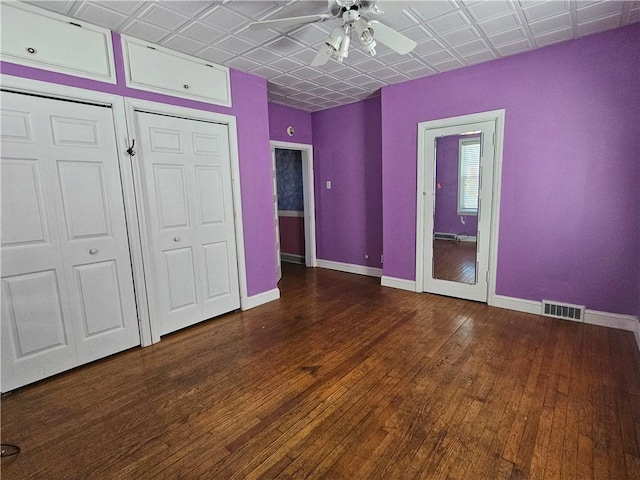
pixel 247 303
pixel 292 258
pixel 350 268
pixel 399 283
pixel 290 213
pixel 308 194
pixel 591 317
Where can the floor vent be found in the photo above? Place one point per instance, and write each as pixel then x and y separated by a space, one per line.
pixel 445 236
pixel 563 310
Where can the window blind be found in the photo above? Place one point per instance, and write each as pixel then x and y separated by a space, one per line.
pixel 468 179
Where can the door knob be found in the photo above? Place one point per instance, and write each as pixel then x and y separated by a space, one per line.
pixel 176 239
pixel 93 251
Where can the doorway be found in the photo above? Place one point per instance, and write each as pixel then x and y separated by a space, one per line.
pixel 459 163
pixel 294 206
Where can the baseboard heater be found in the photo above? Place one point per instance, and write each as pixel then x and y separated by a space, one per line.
pixel 445 236
pixel 563 310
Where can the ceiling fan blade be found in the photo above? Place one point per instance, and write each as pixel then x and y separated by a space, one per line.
pixel 322 57
pixel 392 39
pixel 290 21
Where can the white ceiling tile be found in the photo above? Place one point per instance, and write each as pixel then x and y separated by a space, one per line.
pixel 449 23
pixel 427 47
pixel 63 7
pixel 144 31
pixel 215 55
pixel 161 17
pixel 223 19
pixel 598 10
pixel 461 36
pixel 553 37
pixel 479 57
pixel 306 72
pixel 286 79
pixel 304 85
pixel 368 65
pixel 242 63
pixel 438 57
pixel 265 71
pixel 409 65
pixel 471 47
pixel 257 37
pixel 310 34
pixel 417 34
pixel 285 64
pixel 254 9
pixel 515 47
pixel 545 9
pixel 448 65
pixel 500 24
pixel 429 10
pixel 262 55
pixel 324 79
pixel 234 45
pixel 98 15
pixel 550 24
pixel 384 73
pixel 346 73
pixel 508 37
pixel 125 7
pixel 284 45
pixel 187 7
pixel 397 78
pixel 182 44
pixel 396 19
pixel 599 25
pixel 484 10
pixel 200 32
pixel 634 16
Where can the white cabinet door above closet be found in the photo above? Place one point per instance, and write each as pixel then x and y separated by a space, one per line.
pixel 67 287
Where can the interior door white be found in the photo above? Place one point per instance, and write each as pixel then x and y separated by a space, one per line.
pixel 188 204
pixel 276 218
pixel 479 289
pixel 67 286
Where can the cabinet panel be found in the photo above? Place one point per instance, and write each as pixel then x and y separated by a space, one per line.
pixel 38 38
pixel 147 66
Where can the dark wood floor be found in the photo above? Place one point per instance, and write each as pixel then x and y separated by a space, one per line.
pixel 454 261
pixel 343 379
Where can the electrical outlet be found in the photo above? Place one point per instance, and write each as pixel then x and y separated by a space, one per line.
pixel 381 258
pixel 328 184
pixel 366 256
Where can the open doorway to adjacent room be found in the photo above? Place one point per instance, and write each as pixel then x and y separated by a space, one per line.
pixel 294 216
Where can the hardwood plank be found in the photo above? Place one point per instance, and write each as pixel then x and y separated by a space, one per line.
pixel 342 379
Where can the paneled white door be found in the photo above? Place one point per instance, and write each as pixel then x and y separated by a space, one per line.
pixel 67 286
pixel 188 204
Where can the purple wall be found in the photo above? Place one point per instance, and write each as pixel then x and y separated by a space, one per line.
pixel 569 224
pixel 347 152
pixel 249 99
pixel 446 218
pixel 281 117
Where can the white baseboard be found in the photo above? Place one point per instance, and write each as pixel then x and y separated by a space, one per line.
pixel 292 258
pixel 399 283
pixel 259 299
pixel 350 268
pixel 591 317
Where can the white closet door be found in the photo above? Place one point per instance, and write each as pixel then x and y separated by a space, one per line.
pixel 189 212
pixel 67 287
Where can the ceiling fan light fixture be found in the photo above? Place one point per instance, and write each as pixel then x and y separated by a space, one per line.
pixel 335 39
pixel 343 52
pixel 365 35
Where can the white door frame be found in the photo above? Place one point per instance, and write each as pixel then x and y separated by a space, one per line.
pixel 116 102
pixel 498 117
pixel 308 194
pixel 132 105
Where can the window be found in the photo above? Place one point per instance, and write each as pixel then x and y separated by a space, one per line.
pixel 468 175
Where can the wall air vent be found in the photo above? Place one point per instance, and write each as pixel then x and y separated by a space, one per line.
pixel 563 310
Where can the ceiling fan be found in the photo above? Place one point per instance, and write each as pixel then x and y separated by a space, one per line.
pixel 353 14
